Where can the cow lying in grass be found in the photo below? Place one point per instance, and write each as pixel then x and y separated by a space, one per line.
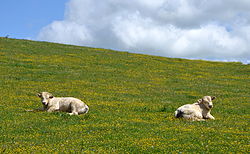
pixel 198 111
pixel 71 105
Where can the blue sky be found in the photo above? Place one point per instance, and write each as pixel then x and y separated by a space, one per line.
pixel 25 18
pixel 195 29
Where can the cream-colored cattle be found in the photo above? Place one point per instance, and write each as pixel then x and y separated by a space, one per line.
pixel 198 111
pixel 71 105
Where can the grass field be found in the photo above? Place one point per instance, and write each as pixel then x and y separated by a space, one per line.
pixel 132 98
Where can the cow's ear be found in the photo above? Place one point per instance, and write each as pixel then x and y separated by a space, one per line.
pixel 213 97
pixel 51 96
pixel 39 94
pixel 200 100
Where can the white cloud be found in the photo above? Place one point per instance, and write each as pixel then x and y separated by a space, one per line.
pixel 66 32
pixel 206 29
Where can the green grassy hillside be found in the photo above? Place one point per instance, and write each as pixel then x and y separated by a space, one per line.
pixel 132 98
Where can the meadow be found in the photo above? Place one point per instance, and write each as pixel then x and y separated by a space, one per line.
pixel 132 99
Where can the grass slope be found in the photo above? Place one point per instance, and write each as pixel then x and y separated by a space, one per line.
pixel 131 97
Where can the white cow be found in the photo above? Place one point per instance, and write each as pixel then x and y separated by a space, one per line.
pixel 198 111
pixel 71 105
